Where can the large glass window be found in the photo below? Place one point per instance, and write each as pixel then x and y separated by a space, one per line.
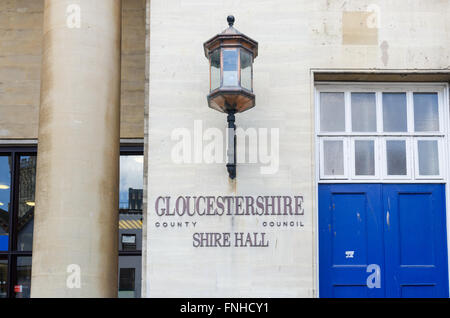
pixel 17 190
pixel 17 202
pixel 130 222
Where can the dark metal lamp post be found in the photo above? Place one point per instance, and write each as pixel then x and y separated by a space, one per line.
pixel 231 56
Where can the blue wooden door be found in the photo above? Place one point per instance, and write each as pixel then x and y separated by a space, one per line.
pixel 398 229
pixel 350 234
pixel 416 241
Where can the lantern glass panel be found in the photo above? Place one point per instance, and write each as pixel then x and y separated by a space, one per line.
pixel 246 70
pixel 215 70
pixel 230 67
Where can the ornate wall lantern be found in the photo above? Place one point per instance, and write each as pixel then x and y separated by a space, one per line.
pixel 231 56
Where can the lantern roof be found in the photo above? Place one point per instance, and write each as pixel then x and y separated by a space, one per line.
pixel 231 37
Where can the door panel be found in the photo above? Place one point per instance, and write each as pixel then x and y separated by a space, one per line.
pixel 401 228
pixel 350 228
pixel 416 240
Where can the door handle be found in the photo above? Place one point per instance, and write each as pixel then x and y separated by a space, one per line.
pixel 388 219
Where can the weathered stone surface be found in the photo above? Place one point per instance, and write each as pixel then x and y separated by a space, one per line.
pixel 133 69
pixel 20 67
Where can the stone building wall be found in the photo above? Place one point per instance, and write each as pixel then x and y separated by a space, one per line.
pixel 20 67
pixel 298 40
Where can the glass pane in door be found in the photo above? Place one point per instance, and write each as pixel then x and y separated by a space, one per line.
pixel 428 157
pixel 333 157
pixel 364 158
pixel 396 157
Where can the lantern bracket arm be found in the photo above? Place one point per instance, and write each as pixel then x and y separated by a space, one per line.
pixel 231 151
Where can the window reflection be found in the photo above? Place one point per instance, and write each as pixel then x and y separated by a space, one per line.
pixel 215 69
pixel 5 186
pixel 130 225
pixel 426 112
pixel 22 287
pixel 129 276
pixel 230 70
pixel 25 217
pixel 131 195
pixel 18 164
pixel 131 179
pixel 246 70
pixel 3 278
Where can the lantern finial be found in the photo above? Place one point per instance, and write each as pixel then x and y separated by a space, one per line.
pixel 230 20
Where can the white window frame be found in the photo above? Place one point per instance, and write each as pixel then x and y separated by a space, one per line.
pixel 409 159
pixel 440 158
pixel 441 113
pixel 349 113
pixel 345 154
pixel 353 161
pixel 346 124
pixel 409 112
pixel 380 137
